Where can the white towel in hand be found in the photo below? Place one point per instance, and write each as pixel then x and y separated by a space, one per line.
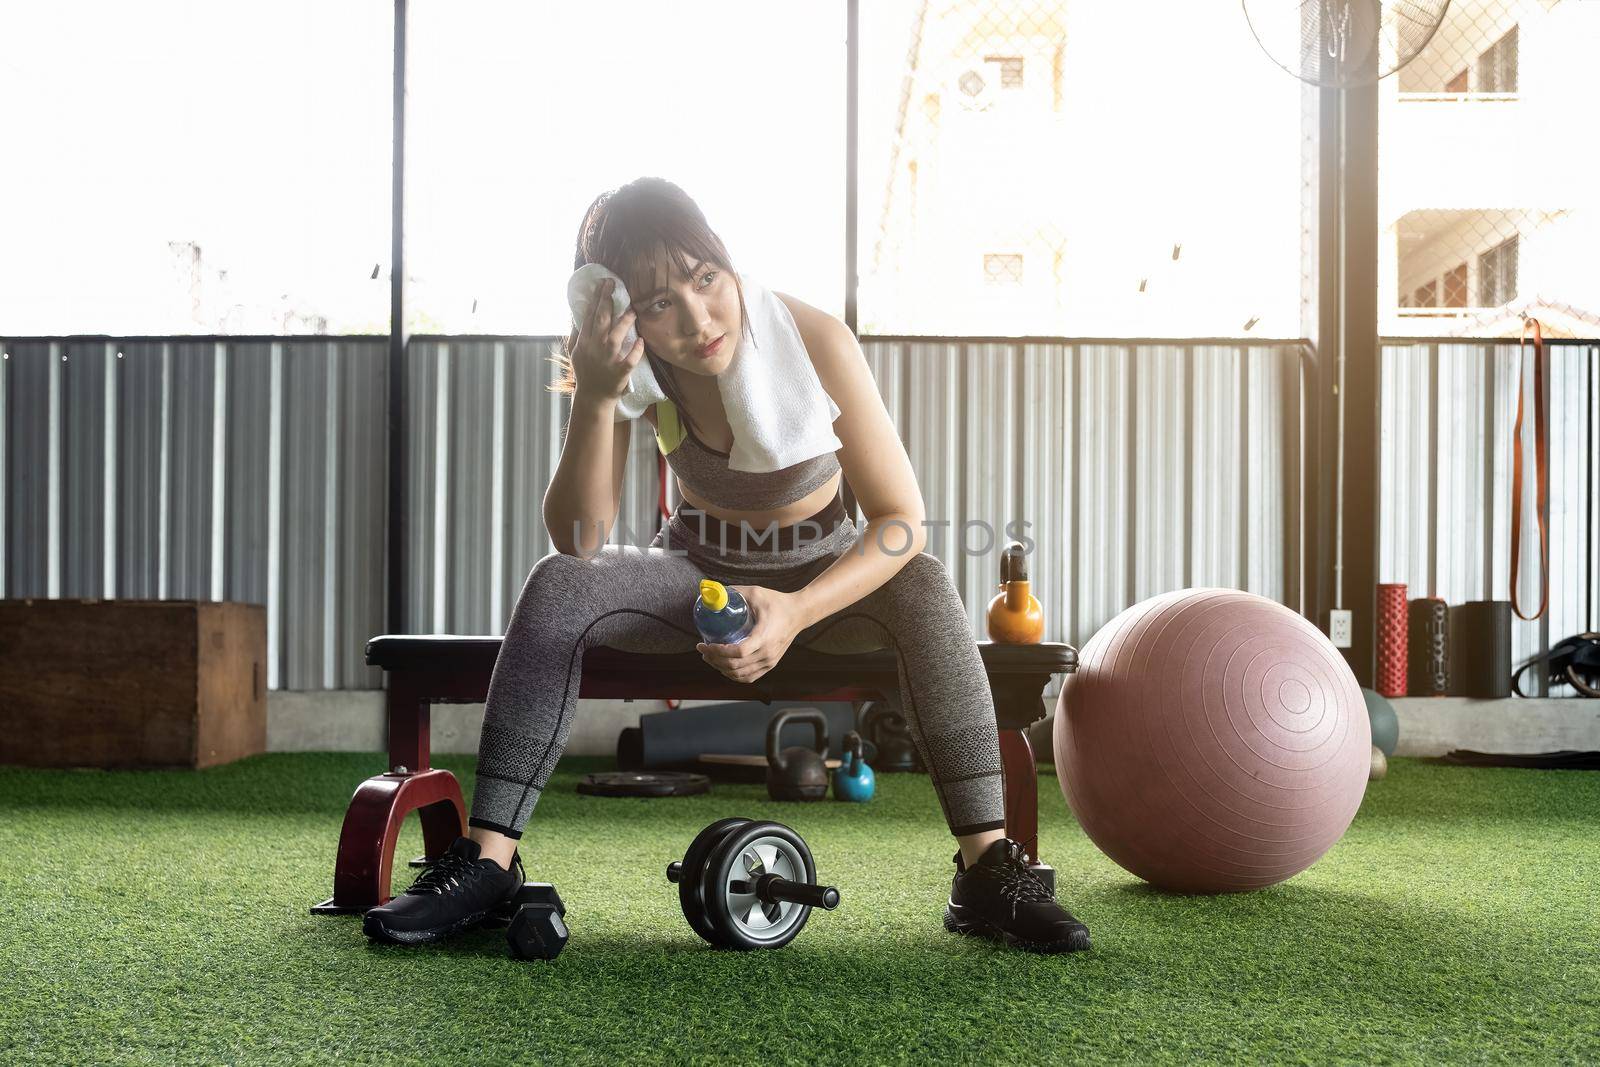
pixel 777 409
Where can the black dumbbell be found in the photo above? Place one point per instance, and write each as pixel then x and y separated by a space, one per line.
pixel 535 921
pixel 745 884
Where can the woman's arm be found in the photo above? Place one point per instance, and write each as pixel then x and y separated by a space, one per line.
pixel 585 493
pixel 872 458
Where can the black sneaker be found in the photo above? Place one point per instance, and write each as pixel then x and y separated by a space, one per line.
pixel 1000 898
pixel 455 892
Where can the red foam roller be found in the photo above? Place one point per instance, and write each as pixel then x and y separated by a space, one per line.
pixel 1393 633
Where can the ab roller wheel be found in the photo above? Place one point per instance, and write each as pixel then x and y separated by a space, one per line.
pixel 690 889
pixel 745 884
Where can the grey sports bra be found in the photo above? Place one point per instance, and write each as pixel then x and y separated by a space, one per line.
pixel 705 470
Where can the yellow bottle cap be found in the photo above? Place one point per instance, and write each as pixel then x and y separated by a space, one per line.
pixel 713 595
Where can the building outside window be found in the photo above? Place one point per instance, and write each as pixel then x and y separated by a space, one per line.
pixel 1497 274
pixel 1497 67
pixel 1010 70
pixel 1455 287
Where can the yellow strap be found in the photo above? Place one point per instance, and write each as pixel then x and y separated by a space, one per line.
pixel 669 429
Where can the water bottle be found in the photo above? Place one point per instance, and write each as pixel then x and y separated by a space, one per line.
pixel 721 615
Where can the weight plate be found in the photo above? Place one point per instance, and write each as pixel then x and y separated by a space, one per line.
pixel 744 920
pixel 643 784
pixel 691 880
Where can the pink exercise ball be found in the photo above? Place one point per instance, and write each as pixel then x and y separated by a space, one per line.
pixel 1212 741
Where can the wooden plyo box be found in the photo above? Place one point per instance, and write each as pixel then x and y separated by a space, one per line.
pixel 131 683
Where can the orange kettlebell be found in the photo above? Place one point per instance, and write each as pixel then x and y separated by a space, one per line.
pixel 1015 617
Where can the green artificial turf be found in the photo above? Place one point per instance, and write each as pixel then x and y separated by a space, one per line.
pixel 162 917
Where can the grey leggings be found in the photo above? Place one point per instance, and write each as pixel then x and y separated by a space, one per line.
pixel 640 600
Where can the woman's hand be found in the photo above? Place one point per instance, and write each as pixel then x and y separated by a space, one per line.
pixel 778 620
pixel 599 365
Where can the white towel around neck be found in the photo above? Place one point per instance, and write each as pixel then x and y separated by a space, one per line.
pixel 777 409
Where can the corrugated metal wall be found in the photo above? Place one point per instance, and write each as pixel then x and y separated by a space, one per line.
pixel 1138 468
pixel 216 470
pixel 1445 529
pixel 483 434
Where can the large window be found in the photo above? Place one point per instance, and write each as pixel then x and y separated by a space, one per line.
pixel 1026 166
pixel 1487 170
pixel 519 114
pixel 195 168
pixel 1129 168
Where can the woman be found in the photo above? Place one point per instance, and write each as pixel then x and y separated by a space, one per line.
pixel 850 590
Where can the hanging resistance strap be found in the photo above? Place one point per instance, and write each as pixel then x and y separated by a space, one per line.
pixel 1541 471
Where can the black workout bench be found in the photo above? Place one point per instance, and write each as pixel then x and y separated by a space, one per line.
pixel 427 670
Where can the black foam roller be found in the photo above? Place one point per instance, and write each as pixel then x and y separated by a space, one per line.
pixel 669 740
pixel 1428 648
pixel 1480 649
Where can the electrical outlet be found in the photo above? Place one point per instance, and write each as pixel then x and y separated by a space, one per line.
pixel 1339 627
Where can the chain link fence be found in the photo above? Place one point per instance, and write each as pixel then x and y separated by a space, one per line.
pixel 1488 176
pixel 1142 169
pixel 1081 169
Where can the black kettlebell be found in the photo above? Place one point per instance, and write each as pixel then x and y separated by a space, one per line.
pixel 886 729
pixel 797 773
